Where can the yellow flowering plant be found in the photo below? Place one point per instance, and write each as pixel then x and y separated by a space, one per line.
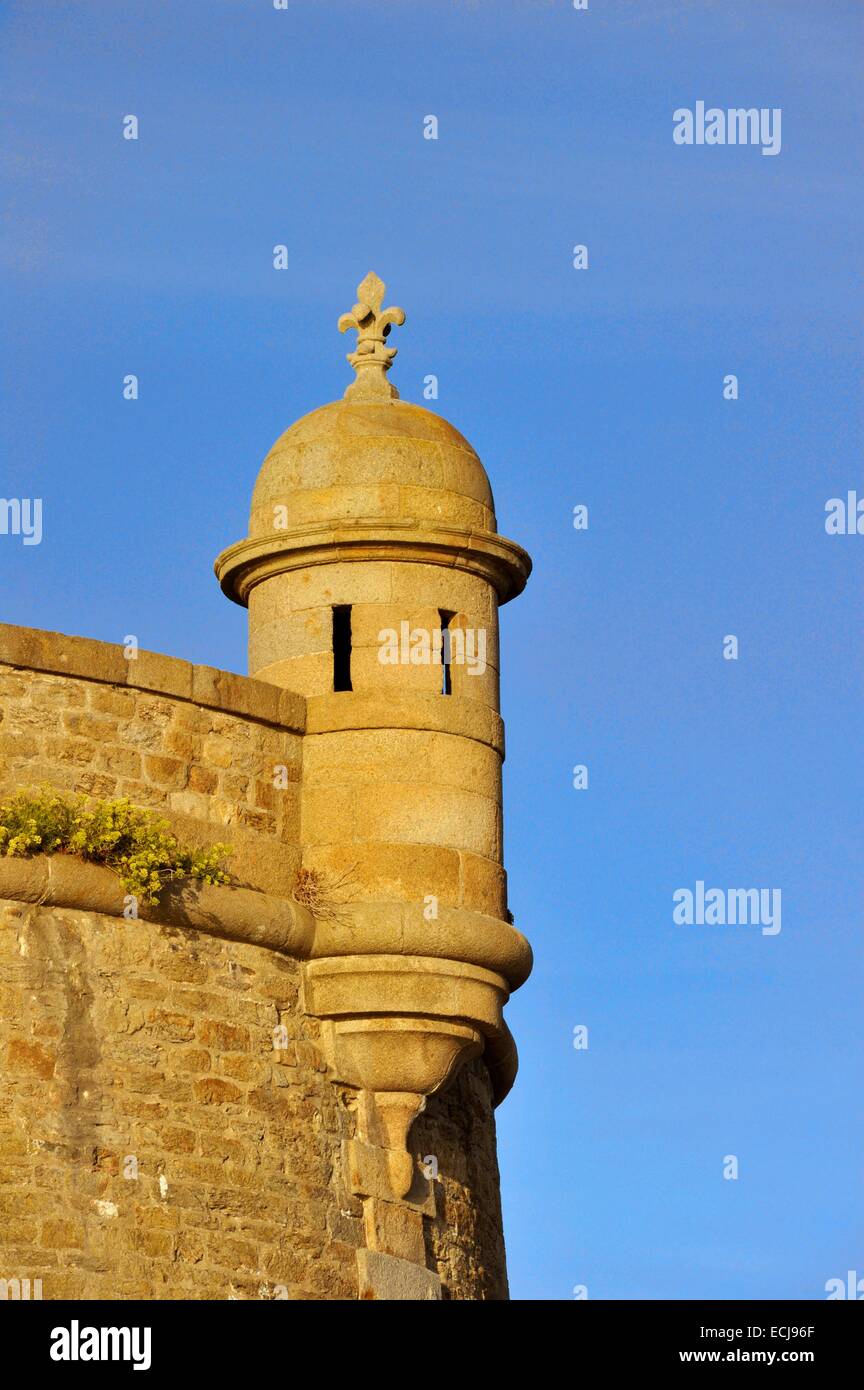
pixel 140 847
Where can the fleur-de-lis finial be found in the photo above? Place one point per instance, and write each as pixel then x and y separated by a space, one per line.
pixel 372 359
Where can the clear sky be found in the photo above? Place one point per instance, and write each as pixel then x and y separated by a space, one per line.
pixel 601 387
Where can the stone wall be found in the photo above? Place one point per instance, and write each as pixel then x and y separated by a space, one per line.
pixel 128 1041
pixel 154 1142
pixel 197 744
pixel 464 1244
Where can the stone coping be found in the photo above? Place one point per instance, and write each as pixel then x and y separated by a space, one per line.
pixel 84 658
pixel 280 924
pixel 239 914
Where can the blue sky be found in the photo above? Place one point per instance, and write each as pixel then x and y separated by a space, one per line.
pixel 602 387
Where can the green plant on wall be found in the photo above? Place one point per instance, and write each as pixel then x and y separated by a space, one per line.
pixel 139 846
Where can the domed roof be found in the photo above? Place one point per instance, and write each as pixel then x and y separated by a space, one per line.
pixel 375 477
pixel 371 460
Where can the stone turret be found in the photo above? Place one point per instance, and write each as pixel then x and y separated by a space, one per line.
pixel 283 1087
pixel 373 573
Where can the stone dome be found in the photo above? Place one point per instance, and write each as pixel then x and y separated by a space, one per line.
pixel 373 478
pixel 374 461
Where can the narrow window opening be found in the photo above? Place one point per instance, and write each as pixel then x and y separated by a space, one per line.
pixel 446 619
pixel 342 647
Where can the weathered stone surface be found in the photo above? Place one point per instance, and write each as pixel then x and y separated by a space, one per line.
pixel 33 650
pixel 457 1130
pixel 94 1076
pixel 186 1109
pixel 212 772
pixel 384 1276
pixel 422 450
pixel 394 1229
